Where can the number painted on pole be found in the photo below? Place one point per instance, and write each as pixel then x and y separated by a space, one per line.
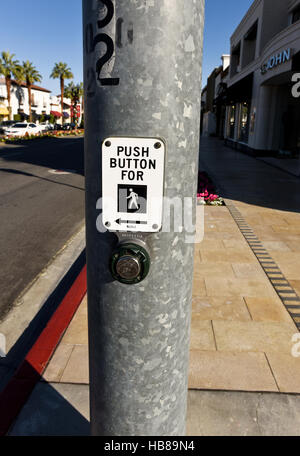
pixel 103 38
pixel 91 43
pixel 110 13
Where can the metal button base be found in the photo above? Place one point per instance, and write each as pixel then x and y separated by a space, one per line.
pixel 130 263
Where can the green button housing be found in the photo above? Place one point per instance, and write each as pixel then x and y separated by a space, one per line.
pixel 136 263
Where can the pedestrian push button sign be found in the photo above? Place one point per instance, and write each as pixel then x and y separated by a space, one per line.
pixel 133 184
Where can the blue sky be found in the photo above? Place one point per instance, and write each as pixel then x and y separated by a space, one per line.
pixel 46 32
pixel 221 19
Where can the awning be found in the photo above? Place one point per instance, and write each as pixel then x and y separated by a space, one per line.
pixel 55 113
pixel 4 112
pixel 66 115
pixel 241 91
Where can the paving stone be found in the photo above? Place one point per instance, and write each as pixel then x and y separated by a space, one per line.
pixel 221 269
pixel 266 234
pixel 296 285
pixel 267 309
pixel 289 263
pixel 286 369
pixel 77 332
pixel 222 413
pixel 239 287
pixel 199 288
pixel 279 415
pixel 244 255
pixel 283 228
pixel 278 246
pixel 273 219
pixel 77 368
pixel 202 337
pixel 248 270
pixel 218 414
pixel 222 235
pixel 239 244
pixel 58 362
pixel 216 211
pixel 254 336
pixel 294 245
pixel 230 371
pixel 227 227
pixel 220 308
pixel 214 245
pixel 229 256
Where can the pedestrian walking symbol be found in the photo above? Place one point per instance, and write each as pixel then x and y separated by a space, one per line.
pixel 132 199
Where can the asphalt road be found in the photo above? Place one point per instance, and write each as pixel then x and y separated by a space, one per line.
pixel 40 209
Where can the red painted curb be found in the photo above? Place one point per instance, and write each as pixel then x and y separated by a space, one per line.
pixel 16 393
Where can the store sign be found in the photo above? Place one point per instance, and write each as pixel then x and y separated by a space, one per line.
pixel 275 60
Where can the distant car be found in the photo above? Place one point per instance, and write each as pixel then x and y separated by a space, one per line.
pixel 45 126
pixel 22 128
pixel 6 124
pixel 69 126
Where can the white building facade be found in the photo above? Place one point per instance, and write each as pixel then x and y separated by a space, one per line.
pixel 40 101
pixel 42 104
pixel 68 109
pixel 262 115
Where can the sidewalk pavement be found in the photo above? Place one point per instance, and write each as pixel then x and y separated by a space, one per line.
pixel 241 340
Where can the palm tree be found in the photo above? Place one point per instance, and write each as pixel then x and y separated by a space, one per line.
pixel 61 72
pixel 8 68
pixel 19 78
pixel 31 76
pixel 74 92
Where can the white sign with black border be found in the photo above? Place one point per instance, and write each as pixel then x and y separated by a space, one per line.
pixel 133 184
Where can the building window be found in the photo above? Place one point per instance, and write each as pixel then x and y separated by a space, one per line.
pixel 296 15
pixel 235 60
pixel 249 48
pixel 244 123
pixel 231 121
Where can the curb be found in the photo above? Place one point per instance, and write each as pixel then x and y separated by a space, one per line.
pixel 34 307
pixel 17 391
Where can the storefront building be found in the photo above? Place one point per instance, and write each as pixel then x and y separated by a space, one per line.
pixel 19 102
pixel 262 115
pixel 213 100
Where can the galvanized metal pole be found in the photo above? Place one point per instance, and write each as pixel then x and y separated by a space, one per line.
pixel 142 75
